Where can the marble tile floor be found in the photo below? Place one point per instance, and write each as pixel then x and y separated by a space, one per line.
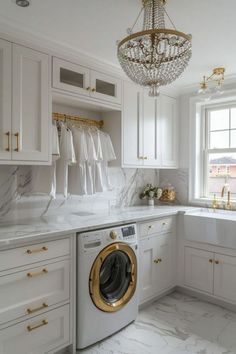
pixel 175 324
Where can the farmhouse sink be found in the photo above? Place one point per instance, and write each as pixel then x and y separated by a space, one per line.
pixel 217 227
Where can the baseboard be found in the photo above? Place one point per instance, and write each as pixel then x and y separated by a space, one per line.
pixel 207 298
pixel 158 297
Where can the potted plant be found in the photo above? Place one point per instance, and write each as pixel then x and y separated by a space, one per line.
pixel 151 193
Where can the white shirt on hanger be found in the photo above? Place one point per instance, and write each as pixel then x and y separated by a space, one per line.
pixel 67 158
pixel 77 172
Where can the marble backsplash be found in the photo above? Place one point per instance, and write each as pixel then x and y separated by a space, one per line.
pixel 18 202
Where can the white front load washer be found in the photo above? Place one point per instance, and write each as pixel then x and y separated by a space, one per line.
pixel 107 277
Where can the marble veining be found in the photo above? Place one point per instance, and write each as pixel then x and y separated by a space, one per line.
pixel 61 224
pixel 19 199
pixel 176 324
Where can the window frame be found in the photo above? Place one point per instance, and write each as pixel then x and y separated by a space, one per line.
pixel 197 143
pixel 207 150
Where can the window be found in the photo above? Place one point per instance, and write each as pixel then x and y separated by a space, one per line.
pixel 219 150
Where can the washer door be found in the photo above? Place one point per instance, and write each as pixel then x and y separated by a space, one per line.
pixel 113 277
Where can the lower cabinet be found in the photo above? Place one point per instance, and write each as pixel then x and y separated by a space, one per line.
pixel 199 268
pixel 211 272
pixel 156 271
pixel 41 334
pixel 36 309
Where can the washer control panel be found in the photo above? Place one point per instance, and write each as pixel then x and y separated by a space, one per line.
pixel 128 231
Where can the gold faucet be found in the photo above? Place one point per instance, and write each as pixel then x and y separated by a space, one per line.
pixel 228 204
pixel 225 189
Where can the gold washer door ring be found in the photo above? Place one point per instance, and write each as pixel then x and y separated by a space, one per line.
pixel 94 279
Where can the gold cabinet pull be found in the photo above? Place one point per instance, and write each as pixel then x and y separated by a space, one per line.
pixel 30 311
pixel 8 141
pixel 217 262
pixel 31 275
pixel 32 328
pixel 42 249
pixel 210 260
pixel 17 135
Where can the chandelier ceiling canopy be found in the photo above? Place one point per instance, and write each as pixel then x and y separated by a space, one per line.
pixel 155 56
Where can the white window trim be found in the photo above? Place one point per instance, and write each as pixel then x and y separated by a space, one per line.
pixel 196 144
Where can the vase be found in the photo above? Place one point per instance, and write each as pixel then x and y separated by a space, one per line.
pixel 150 202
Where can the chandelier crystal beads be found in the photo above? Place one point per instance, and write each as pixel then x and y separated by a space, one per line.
pixel 155 56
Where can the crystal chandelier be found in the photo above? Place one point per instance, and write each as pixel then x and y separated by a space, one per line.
pixel 155 56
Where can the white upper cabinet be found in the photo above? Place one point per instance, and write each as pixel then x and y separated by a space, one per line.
pixel 150 129
pixel 169 131
pixel 70 77
pixel 25 119
pixel 132 125
pixel 83 81
pixel 151 133
pixel 5 100
pixel 30 105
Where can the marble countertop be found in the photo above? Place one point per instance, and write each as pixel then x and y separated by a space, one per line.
pixel 36 229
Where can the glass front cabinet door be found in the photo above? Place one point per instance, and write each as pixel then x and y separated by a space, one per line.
pixel 70 77
pixel 81 80
pixel 105 87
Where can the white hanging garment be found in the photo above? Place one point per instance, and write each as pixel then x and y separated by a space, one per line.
pixel 77 172
pixel 90 163
pixel 43 179
pixel 99 183
pixel 108 154
pixel 67 158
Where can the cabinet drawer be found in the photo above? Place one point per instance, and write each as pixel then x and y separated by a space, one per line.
pixel 33 290
pixel 152 227
pixel 34 253
pixel 38 335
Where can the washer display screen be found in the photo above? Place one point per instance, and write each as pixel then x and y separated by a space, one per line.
pixel 115 276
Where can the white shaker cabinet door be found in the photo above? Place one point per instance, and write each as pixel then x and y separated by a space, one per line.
pixel 5 100
pixel 199 269
pixel 132 126
pixel 225 277
pixel 31 119
pixel 151 131
pixel 169 132
pixel 165 262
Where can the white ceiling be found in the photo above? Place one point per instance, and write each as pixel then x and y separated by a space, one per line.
pixel 93 26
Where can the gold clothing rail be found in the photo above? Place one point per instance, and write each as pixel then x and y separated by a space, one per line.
pixel 66 117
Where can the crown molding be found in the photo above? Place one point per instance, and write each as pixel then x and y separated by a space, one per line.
pixel 23 35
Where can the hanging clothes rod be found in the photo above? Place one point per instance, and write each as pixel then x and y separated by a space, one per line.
pixel 85 121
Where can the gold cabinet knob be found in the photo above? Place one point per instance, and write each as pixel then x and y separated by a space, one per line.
pixel 156 261
pixel 113 235
pixel 145 157
pixel 210 260
pixel 93 90
pixel 88 88
pixel 217 262
pixel 159 260
pixel 150 226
